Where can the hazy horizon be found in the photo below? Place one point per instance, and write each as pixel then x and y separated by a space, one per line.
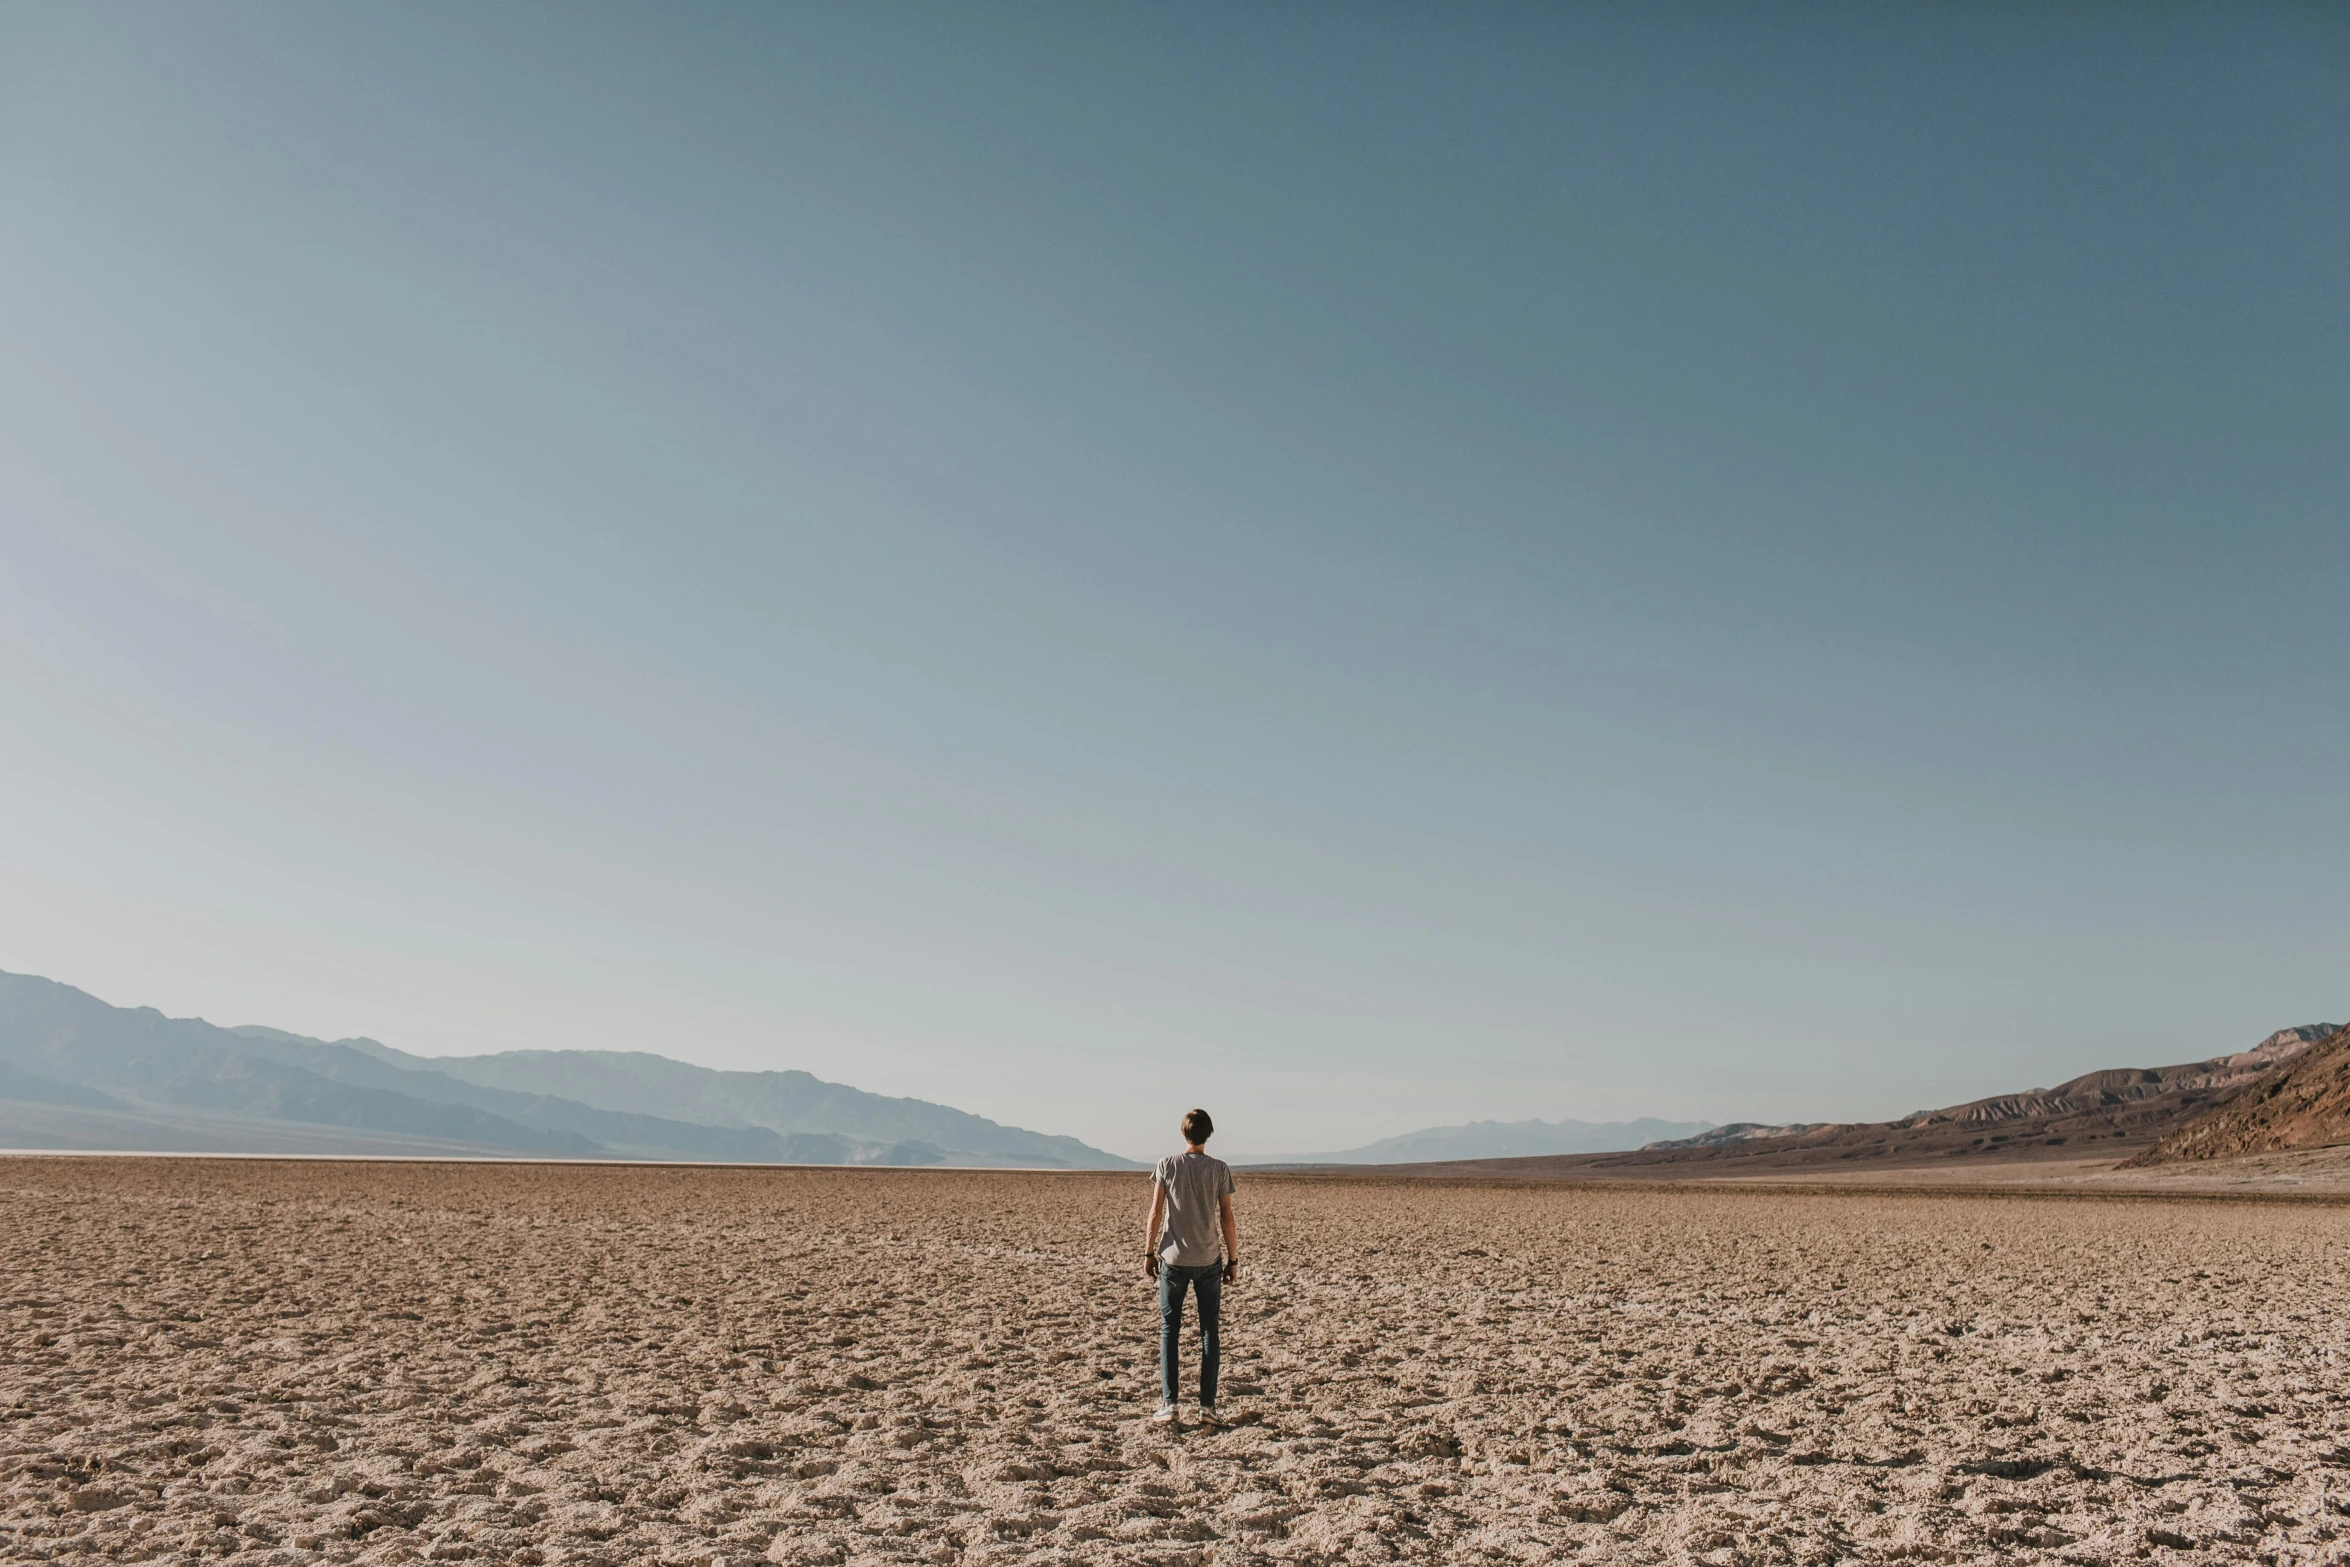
pixel 1371 570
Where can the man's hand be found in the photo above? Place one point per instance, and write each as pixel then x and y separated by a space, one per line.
pixel 1231 1271
pixel 1150 1264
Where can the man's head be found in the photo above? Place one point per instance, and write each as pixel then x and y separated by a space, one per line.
pixel 1198 1128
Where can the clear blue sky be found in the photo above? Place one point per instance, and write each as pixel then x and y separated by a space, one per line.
pixel 1360 567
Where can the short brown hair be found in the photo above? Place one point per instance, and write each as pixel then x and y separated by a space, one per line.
pixel 1198 1127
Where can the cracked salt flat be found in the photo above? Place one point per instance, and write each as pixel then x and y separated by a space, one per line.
pixel 304 1362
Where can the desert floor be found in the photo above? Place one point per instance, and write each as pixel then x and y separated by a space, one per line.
pixel 305 1361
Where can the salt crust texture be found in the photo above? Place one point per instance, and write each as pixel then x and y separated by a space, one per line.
pixel 296 1362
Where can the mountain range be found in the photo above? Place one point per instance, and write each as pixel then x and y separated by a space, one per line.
pixel 1498 1140
pixel 78 1073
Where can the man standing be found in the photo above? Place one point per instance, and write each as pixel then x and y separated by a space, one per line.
pixel 1198 1249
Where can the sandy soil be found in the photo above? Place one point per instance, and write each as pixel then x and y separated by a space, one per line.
pixel 296 1362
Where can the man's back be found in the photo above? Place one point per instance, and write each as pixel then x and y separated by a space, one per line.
pixel 1193 1183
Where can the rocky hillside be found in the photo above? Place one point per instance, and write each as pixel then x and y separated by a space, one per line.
pixel 2109 1114
pixel 2120 1105
pixel 2304 1105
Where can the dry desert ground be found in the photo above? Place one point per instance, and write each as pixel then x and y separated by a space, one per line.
pixel 286 1361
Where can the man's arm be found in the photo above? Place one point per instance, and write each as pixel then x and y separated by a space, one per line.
pixel 1150 1231
pixel 1231 1238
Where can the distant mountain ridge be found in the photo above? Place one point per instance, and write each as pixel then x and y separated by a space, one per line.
pixel 76 1072
pixel 797 1101
pixel 1498 1140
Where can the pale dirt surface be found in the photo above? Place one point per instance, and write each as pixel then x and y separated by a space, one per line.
pixel 2316 1171
pixel 302 1362
pixel 2283 1170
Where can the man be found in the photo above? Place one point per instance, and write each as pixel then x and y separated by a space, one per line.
pixel 1197 1249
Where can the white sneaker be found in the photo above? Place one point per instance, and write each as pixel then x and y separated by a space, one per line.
pixel 1208 1415
pixel 1164 1415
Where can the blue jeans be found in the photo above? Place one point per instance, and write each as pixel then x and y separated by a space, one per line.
pixel 1209 1281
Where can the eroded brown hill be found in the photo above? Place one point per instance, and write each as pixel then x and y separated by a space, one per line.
pixel 2112 1113
pixel 2306 1104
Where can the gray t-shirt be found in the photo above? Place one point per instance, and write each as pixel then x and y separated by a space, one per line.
pixel 1193 1236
